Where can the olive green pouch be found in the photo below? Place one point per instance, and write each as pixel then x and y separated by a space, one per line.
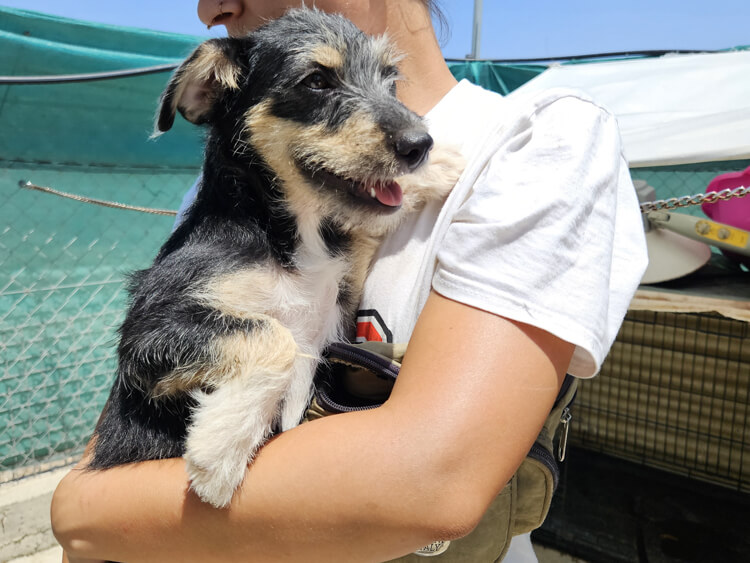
pixel 360 376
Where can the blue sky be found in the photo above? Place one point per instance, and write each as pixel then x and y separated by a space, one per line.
pixel 511 28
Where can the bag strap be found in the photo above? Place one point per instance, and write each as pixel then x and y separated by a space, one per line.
pixel 383 359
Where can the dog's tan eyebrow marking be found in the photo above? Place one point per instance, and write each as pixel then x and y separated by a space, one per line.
pixel 327 56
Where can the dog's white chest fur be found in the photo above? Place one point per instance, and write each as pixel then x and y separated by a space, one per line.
pixel 308 297
pixel 310 310
pixel 300 314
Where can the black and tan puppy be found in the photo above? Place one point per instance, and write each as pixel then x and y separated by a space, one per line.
pixel 310 159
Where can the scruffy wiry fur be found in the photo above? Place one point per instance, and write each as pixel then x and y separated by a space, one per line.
pixel 307 154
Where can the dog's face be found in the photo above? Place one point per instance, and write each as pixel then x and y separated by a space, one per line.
pixel 316 99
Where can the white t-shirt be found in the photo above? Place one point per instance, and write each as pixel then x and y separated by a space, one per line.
pixel 543 227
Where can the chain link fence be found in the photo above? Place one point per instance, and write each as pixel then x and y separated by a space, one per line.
pixel 64 263
pixel 62 292
pixel 62 296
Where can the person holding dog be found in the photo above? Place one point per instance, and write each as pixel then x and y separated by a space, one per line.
pixel 530 265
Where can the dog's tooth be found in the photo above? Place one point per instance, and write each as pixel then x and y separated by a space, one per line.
pixel 372 193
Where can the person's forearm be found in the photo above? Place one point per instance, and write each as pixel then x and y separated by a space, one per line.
pixel 368 486
pixel 315 493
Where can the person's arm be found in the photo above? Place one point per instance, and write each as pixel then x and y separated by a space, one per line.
pixel 473 393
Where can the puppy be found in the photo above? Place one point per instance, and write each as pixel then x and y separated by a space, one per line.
pixel 309 161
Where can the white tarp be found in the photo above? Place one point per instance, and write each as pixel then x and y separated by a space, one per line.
pixel 673 109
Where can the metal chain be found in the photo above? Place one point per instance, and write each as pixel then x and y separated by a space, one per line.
pixel 646 206
pixel 688 200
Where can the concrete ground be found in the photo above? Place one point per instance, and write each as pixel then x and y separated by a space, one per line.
pixel 51 555
pixel 25 536
pixel 24 515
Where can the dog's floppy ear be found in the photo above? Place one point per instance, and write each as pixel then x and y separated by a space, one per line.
pixel 195 86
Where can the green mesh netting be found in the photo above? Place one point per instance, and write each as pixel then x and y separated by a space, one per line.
pixel 64 262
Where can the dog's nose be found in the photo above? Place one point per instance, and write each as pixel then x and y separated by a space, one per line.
pixel 412 146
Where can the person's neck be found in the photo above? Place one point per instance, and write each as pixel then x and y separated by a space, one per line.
pixel 425 85
pixel 427 78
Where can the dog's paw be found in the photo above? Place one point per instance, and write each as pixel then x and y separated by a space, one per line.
pixel 435 179
pixel 216 482
pixel 445 166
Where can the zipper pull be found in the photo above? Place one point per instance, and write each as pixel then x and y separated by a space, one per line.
pixel 562 446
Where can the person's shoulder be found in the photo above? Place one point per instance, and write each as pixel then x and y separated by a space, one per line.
pixel 475 119
pixel 533 109
pixel 541 136
pixel 523 102
pixel 566 118
pixel 527 103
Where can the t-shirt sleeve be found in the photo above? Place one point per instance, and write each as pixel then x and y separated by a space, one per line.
pixel 550 234
pixel 187 201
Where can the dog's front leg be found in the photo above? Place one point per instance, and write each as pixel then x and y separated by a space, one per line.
pixel 235 419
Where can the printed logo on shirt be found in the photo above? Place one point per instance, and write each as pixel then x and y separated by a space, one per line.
pixel 371 327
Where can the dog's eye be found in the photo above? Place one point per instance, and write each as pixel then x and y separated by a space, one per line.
pixel 317 81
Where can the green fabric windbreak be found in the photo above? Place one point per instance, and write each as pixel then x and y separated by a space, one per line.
pixel 498 77
pixel 109 122
pixel 98 123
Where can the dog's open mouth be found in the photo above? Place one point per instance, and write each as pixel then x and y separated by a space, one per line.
pixel 384 194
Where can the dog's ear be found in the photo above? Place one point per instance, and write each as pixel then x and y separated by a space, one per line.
pixel 196 85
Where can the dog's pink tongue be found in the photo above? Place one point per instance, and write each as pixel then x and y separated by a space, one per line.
pixel 389 194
